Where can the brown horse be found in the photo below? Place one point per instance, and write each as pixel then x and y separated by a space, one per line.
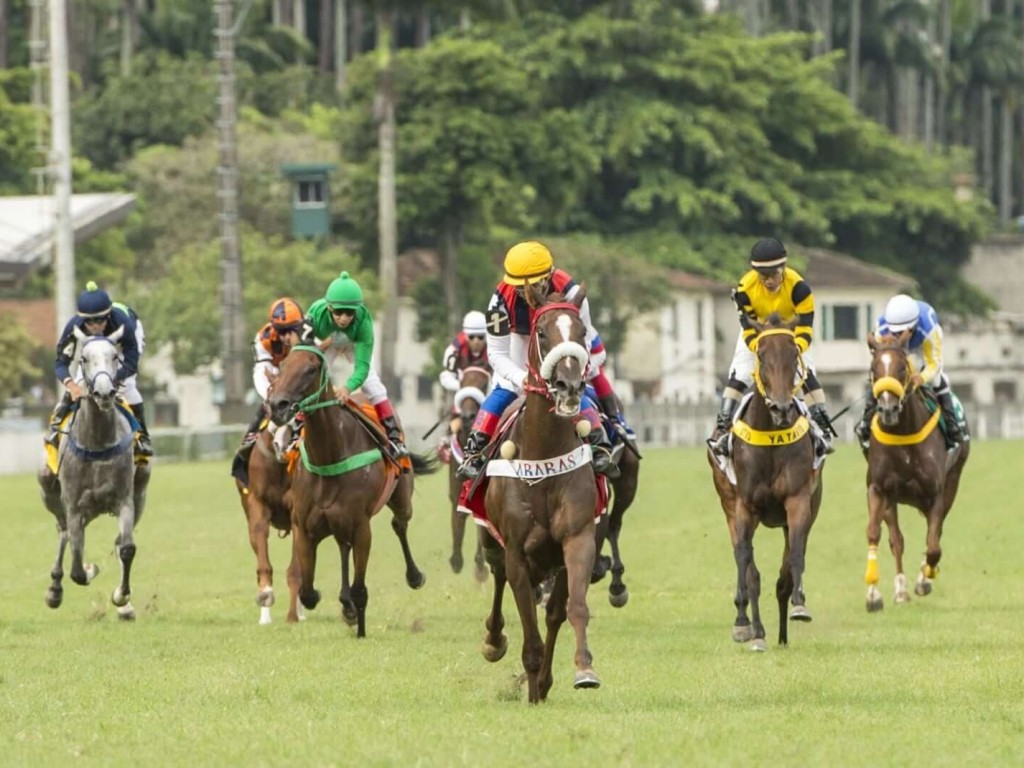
pixel 907 464
pixel 343 480
pixel 476 382
pixel 546 521
pixel 777 484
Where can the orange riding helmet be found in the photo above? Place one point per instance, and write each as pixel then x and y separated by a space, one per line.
pixel 285 315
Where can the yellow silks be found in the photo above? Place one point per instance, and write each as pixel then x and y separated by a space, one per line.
pixel 776 437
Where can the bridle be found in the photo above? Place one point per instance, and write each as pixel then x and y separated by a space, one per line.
pixel 801 366
pixel 540 381
pixel 900 389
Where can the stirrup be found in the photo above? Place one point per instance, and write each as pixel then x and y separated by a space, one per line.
pixel 470 467
pixel 143 446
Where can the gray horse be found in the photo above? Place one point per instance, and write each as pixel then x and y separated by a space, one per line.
pixel 97 474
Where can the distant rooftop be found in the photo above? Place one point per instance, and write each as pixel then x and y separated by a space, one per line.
pixel 828 269
pixel 26 228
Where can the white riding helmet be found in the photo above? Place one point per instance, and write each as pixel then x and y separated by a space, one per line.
pixel 474 323
pixel 901 313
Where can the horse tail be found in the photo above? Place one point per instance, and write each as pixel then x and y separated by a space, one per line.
pixel 424 465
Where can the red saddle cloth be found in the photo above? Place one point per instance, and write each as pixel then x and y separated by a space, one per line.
pixel 475 505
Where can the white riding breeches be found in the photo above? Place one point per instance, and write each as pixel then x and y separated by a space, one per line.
pixel 743 360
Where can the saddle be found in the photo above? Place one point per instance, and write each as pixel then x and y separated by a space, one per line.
pixel 53 451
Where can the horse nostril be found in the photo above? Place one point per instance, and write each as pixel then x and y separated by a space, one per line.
pixel 561 386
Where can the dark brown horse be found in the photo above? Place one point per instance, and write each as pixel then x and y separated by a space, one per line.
pixel 342 481
pixel 907 464
pixel 777 484
pixel 476 382
pixel 546 521
pixel 610 526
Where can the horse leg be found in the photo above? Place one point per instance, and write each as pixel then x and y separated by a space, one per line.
pixel 294 575
pixel 258 516
pixel 743 553
pixel 81 573
pixel 401 509
pixel 798 513
pixel 578 553
pixel 55 594
pixel 518 575
pixel 458 534
pixel 481 564
pixel 784 590
pixel 555 614
pixel 301 570
pixel 890 515
pixel 601 564
pixel 348 608
pixel 618 595
pixel 933 553
pixel 876 510
pixel 124 545
pixel 495 643
pixel 360 557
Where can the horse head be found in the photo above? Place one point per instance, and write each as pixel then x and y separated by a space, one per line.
pixel 779 373
pixel 557 356
pixel 475 382
pixel 98 361
pixel 890 376
pixel 301 381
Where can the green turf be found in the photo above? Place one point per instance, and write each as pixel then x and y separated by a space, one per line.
pixel 195 681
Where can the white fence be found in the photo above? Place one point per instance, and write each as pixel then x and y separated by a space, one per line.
pixel 656 425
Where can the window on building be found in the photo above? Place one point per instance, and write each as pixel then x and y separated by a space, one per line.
pixel 1004 391
pixel 965 392
pixel 310 194
pixel 841 322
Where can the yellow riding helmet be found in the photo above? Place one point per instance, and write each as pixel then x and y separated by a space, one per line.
pixel 527 263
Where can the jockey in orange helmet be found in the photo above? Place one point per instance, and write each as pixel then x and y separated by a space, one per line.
pixel 272 344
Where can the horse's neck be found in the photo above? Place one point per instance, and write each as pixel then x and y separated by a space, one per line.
pixel 758 416
pixel 323 437
pixel 94 427
pixel 542 434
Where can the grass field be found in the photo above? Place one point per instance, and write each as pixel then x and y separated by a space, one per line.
pixel 195 681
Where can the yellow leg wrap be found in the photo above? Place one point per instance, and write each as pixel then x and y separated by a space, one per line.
pixel 931 573
pixel 871 574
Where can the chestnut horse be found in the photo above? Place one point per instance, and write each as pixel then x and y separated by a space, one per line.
pixel 342 482
pixel 546 521
pixel 776 482
pixel 476 382
pixel 907 464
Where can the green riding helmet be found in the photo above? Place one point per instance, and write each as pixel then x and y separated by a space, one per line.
pixel 344 293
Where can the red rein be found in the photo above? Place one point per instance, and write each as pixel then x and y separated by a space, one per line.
pixel 542 387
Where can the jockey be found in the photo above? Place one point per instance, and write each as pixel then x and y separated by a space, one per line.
pixel 97 315
pixel 342 317
pixel 606 398
pixel 915 324
pixel 770 287
pixel 508 333
pixel 468 349
pixel 270 346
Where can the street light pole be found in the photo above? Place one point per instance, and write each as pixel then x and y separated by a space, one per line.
pixel 60 164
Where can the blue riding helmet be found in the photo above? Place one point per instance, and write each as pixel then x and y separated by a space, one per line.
pixel 94 301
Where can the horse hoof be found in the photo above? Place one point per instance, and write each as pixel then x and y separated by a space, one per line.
pixel 54 597
pixel 618 599
pixel 265 597
pixel 741 633
pixel 416 579
pixel 309 599
pixel 119 598
pixel 455 563
pixel 91 572
pixel 126 612
pixel 874 606
pixel 904 597
pixel 586 678
pixel 923 588
pixel 799 613
pixel 495 652
pixel 758 645
pixel 481 573
pixel 349 615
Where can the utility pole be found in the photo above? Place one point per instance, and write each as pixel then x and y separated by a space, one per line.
pixel 232 324
pixel 387 225
pixel 60 165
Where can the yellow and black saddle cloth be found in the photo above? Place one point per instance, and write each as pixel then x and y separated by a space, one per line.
pixel 64 428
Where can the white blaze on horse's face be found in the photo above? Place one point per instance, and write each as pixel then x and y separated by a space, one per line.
pixel 889 404
pixel 563 364
pixel 99 363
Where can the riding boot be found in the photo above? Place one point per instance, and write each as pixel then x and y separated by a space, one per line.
pixel 820 416
pixel 61 410
pixel 145 446
pixel 604 454
pixel 719 440
pixel 863 428
pixel 474 451
pixel 240 463
pixel 954 434
pixel 610 406
pixel 390 425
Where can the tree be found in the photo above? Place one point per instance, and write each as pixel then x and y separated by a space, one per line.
pixel 21 351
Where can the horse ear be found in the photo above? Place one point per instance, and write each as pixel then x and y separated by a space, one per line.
pixel 116 335
pixel 872 342
pixel 79 333
pixel 580 296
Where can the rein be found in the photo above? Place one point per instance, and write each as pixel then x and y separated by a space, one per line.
pixel 309 404
pixel 538 382
pixel 801 365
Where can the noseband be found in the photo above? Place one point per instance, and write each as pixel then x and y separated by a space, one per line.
pixel 309 403
pixel 540 382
